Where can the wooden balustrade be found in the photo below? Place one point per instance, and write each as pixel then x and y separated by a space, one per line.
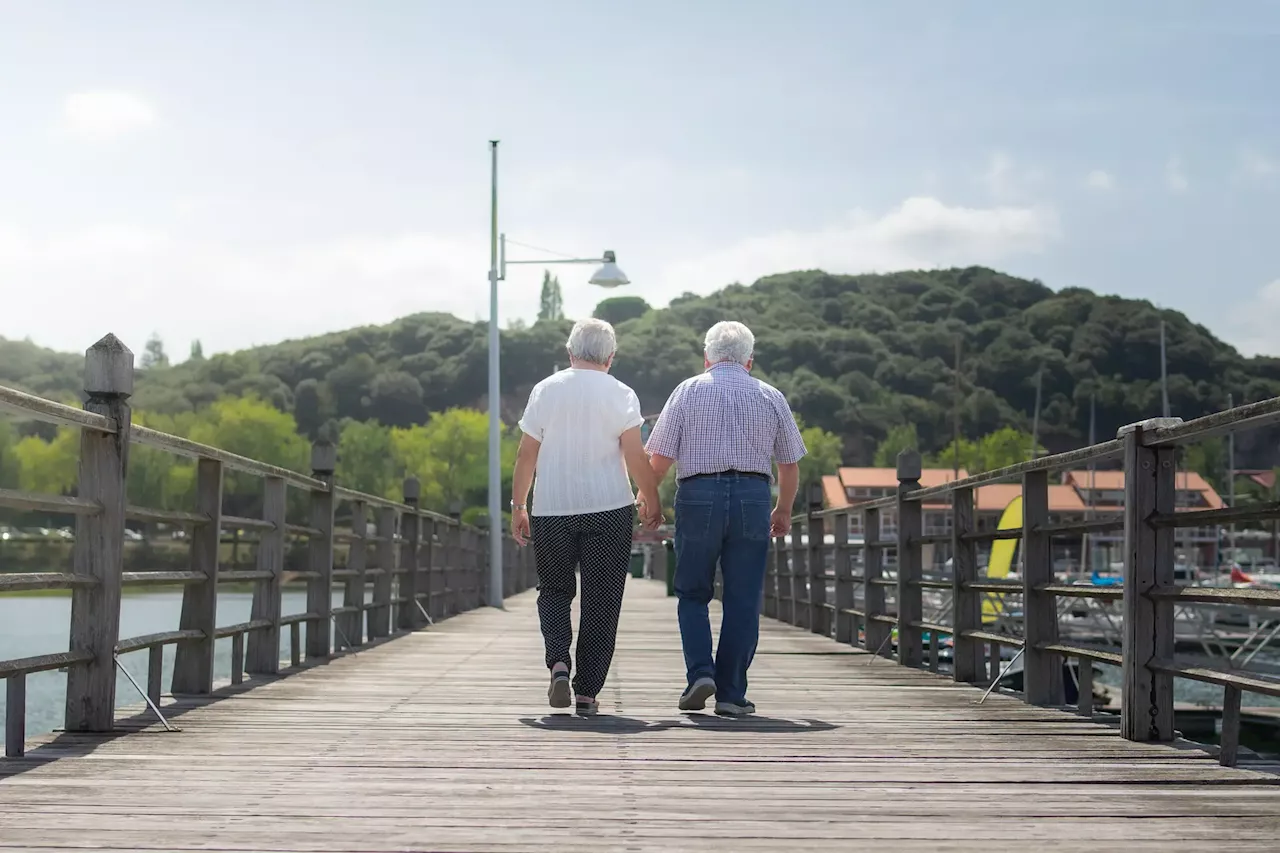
pixel 889 616
pixel 424 566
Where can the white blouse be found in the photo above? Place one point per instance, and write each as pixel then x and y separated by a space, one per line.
pixel 579 416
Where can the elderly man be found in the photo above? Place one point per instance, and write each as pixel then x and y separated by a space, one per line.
pixel 723 430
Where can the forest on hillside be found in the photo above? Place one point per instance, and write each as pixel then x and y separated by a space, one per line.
pixel 858 355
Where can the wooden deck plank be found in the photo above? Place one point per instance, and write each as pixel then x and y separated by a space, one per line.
pixel 441 741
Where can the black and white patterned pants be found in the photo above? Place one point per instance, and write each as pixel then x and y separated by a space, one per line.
pixel 599 542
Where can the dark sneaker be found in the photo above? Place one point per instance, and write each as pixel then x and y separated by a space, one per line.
pixel 695 696
pixel 735 709
pixel 559 694
pixel 587 707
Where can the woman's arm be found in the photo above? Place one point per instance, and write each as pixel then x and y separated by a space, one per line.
pixel 642 473
pixel 521 482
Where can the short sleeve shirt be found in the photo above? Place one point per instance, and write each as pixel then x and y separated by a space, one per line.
pixel 579 416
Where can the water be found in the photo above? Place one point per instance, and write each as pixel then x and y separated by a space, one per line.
pixel 37 625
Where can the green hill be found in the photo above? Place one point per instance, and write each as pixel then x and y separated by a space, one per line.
pixel 857 355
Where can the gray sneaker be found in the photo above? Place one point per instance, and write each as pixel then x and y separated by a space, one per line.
pixel 559 694
pixel 733 709
pixel 695 696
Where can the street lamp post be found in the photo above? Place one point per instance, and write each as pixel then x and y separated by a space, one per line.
pixel 608 275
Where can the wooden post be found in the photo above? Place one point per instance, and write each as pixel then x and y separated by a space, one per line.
pixel 452 539
pixel 15 720
pixel 799 578
pixel 1146 709
pixel 1042 677
pixel 410 540
pixel 910 529
pixel 1229 744
pixel 842 564
pixel 193 660
pixel 875 633
pixel 324 459
pixel 380 615
pixel 427 534
pixel 98 551
pixel 352 622
pixel 769 606
pixel 264 645
pixel 155 673
pixel 781 582
pixel 1084 702
pixel 966 605
pixel 819 615
pixel 237 657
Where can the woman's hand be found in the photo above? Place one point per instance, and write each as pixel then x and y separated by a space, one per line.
pixel 520 529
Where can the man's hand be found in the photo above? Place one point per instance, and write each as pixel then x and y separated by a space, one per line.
pixel 520 529
pixel 650 508
pixel 780 522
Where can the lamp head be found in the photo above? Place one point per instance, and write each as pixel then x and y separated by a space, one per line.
pixel 609 275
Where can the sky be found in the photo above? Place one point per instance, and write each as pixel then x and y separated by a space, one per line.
pixel 245 172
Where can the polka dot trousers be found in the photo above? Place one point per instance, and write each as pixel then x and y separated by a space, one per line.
pixel 599 542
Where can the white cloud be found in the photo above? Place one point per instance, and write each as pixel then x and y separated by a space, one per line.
pixel 1005 180
pixel 920 233
pixel 1256 166
pixel 1258 322
pixel 1174 176
pixel 133 280
pixel 1100 180
pixel 107 115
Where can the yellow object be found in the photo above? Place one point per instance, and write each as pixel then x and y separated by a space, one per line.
pixel 1001 561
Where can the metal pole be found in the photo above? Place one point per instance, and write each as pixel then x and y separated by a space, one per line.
pixel 1231 479
pixel 1035 418
pixel 1164 375
pixel 495 403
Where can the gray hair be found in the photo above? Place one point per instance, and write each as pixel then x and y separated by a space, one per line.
pixel 592 340
pixel 729 341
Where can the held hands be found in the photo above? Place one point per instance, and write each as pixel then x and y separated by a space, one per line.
pixel 650 509
pixel 520 530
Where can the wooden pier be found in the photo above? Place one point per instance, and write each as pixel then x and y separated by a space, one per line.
pixel 441 740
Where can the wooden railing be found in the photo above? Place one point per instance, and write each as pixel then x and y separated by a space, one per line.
pixel 796 587
pixel 422 566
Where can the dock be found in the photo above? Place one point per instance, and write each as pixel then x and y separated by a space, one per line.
pixel 441 739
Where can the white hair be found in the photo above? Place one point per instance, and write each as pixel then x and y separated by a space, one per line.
pixel 593 341
pixel 729 341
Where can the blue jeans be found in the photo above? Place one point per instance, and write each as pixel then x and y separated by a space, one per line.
pixel 721 519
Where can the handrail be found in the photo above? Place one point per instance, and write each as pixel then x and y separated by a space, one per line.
pixel 1024 613
pixel 422 566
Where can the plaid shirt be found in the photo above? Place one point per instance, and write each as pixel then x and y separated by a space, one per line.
pixel 726 420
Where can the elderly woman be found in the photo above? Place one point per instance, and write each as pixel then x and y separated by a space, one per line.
pixel 581 434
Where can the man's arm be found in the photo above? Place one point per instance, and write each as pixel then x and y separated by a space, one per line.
pixel 788 450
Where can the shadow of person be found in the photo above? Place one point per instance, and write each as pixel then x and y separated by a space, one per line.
pixel 615 724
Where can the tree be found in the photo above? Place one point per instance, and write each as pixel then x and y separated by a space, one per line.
pixel 552 304
pixel 254 428
pixel 365 459
pixel 395 399
pixel 49 467
pixel 197 351
pixel 8 454
pixel 823 458
pixel 450 457
pixel 154 354
pixel 312 406
pixel 620 309
pixel 157 479
pixel 901 437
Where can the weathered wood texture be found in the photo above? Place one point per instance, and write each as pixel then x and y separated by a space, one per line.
pixel 441 740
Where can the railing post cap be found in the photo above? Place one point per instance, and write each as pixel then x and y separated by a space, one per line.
pixel 1148 425
pixel 108 368
pixel 815 497
pixel 909 465
pixel 412 489
pixel 324 457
